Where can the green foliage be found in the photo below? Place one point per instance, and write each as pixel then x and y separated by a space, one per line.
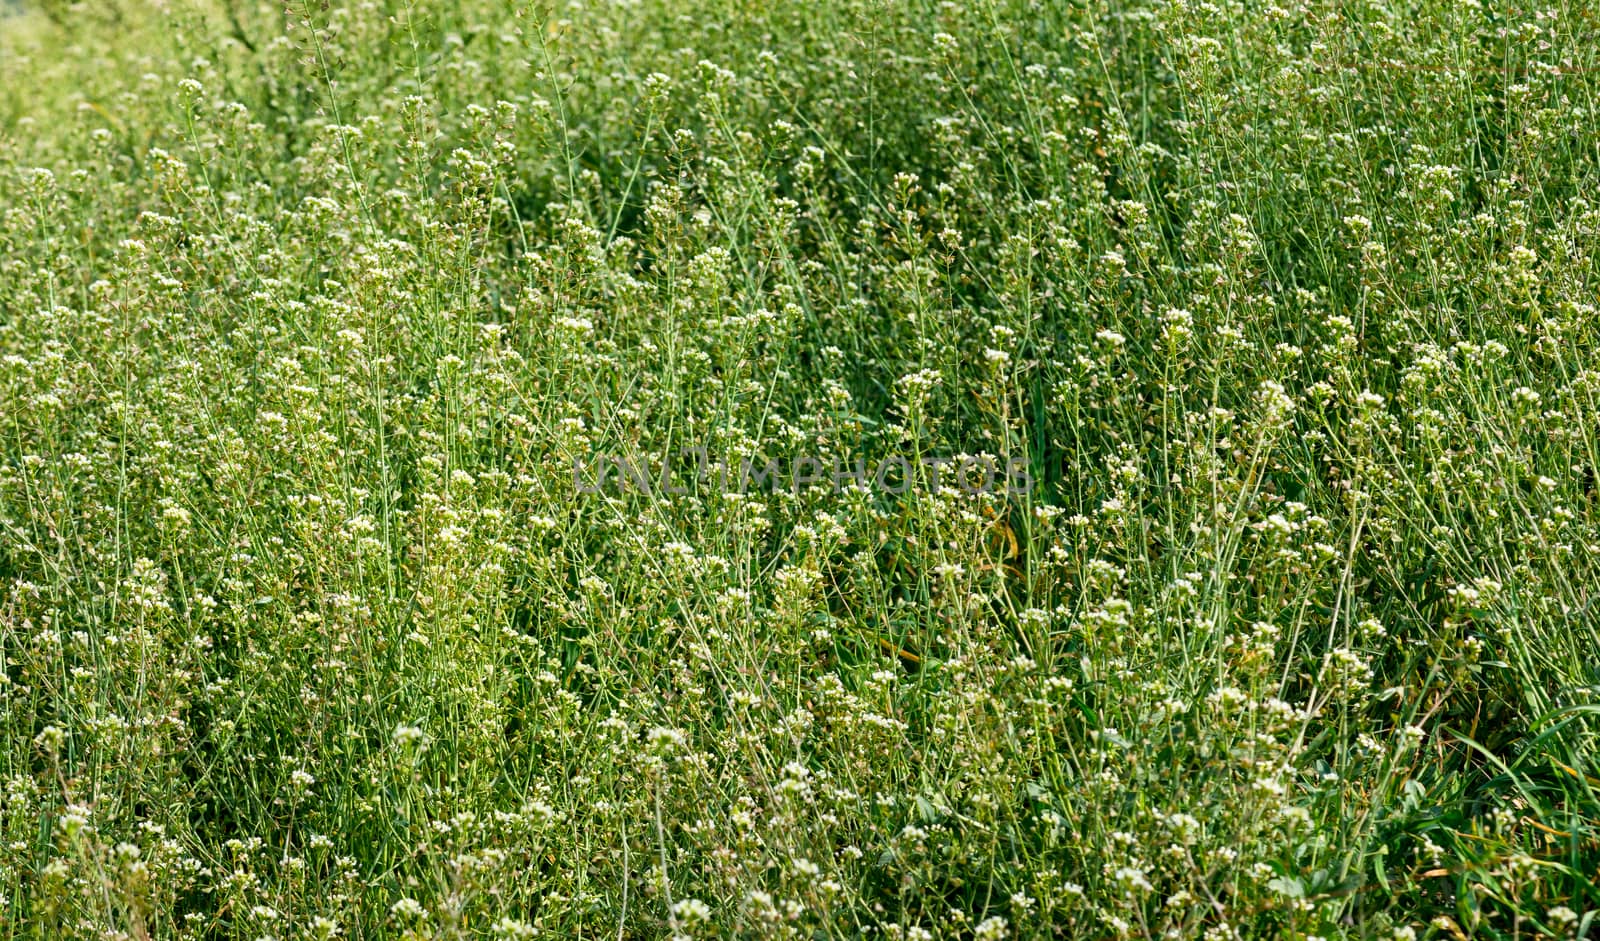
pixel 307 310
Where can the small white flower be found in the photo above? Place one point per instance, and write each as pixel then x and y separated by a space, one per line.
pixel 691 911
pixel 408 909
pixel 513 930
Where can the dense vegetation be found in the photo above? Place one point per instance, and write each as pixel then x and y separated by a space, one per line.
pixel 307 311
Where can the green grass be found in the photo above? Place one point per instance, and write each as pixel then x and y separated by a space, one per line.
pixel 306 312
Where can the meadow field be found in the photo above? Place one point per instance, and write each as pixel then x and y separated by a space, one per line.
pixel 847 469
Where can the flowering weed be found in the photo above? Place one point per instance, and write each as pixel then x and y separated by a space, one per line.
pixel 1287 316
